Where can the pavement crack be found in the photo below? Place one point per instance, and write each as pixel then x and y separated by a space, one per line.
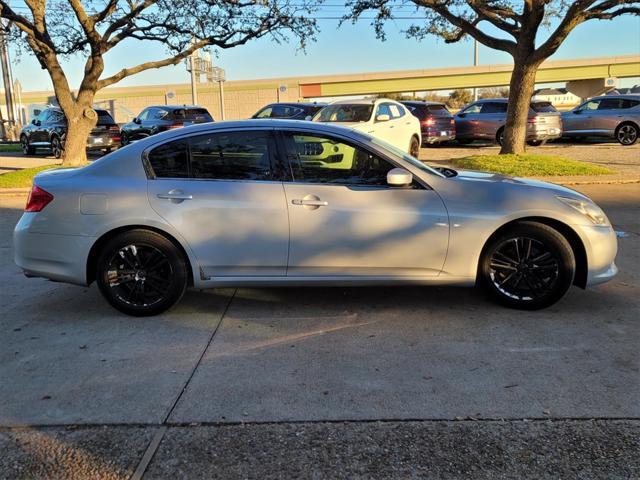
pixel 195 367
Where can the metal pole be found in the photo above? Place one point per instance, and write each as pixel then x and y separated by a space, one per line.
pixel 194 91
pixel 8 88
pixel 221 99
pixel 475 64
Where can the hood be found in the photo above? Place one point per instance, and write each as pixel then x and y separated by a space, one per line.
pixel 496 178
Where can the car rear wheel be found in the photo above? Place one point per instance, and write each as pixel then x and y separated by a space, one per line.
pixel 24 145
pixel 414 147
pixel 141 273
pixel 528 267
pixel 56 147
pixel 627 134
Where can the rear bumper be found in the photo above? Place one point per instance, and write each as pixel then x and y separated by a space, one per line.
pixel 61 258
pixel 435 135
pixel 100 142
pixel 543 133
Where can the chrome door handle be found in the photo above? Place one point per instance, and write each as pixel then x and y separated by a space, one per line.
pixel 309 203
pixel 175 195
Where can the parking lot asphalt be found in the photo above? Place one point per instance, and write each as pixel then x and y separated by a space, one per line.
pixel 77 376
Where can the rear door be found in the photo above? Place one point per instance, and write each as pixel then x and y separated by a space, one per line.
pixel 467 121
pixel 345 221
pixel 219 191
pixel 493 115
pixel 605 119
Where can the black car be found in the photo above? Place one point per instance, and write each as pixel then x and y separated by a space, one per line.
pixel 156 119
pixel 290 111
pixel 49 130
pixel 436 122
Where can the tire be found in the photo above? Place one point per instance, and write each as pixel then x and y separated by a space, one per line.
pixel 126 266
pixel 542 276
pixel 536 143
pixel 56 147
pixel 414 147
pixel 26 148
pixel 500 136
pixel 627 134
pixel 124 139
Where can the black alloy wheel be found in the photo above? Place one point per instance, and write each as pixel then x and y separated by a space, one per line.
pixel 26 148
pixel 56 147
pixel 627 134
pixel 142 273
pixel 529 267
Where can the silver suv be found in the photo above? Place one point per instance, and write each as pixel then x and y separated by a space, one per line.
pixel 485 120
pixel 613 116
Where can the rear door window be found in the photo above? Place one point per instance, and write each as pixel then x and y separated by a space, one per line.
pixel 610 104
pixel 494 107
pixel 231 156
pixel 628 103
pixel 170 160
pixel 198 115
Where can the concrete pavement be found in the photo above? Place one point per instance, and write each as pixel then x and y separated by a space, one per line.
pixel 225 358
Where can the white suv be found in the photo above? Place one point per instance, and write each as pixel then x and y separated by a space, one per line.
pixel 382 118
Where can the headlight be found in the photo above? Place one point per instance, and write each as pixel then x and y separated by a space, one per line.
pixel 587 208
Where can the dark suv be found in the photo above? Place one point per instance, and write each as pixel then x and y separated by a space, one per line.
pixel 291 111
pixel 436 122
pixel 485 120
pixel 49 129
pixel 156 119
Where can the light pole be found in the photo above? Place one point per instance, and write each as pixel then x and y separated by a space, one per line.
pixel 194 89
pixel 475 64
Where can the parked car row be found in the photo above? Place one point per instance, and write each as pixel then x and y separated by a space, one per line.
pixel 406 125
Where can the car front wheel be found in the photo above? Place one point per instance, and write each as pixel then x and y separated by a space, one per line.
pixel 56 147
pixel 529 266
pixel 26 148
pixel 141 273
pixel 414 147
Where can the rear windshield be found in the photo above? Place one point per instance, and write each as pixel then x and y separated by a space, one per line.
pixel 104 118
pixel 422 111
pixel 345 113
pixel 543 107
pixel 194 114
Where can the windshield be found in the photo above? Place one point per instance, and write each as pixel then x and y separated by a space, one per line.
pixel 405 156
pixel 345 113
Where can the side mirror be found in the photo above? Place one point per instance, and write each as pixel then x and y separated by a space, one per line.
pixel 308 118
pixel 137 120
pixel 399 177
pixel 383 118
pixel 36 122
pixel 577 111
pixel 461 115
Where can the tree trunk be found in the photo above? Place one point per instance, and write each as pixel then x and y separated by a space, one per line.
pixel 80 122
pixel 520 91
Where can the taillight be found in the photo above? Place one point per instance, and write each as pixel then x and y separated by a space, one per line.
pixel 452 122
pixel 429 122
pixel 38 199
pixel 114 133
pixel 537 120
pixel 175 125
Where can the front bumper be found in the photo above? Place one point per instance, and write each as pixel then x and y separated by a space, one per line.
pixel 601 247
pixel 61 258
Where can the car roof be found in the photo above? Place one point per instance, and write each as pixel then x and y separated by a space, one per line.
pixel 628 96
pixel 299 104
pixel 422 102
pixel 506 100
pixel 360 101
pixel 175 107
pixel 278 124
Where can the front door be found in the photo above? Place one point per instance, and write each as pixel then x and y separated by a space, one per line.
pixel 223 199
pixel 467 121
pixel 346 221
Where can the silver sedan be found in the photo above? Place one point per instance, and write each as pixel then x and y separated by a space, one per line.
pixel 280 202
